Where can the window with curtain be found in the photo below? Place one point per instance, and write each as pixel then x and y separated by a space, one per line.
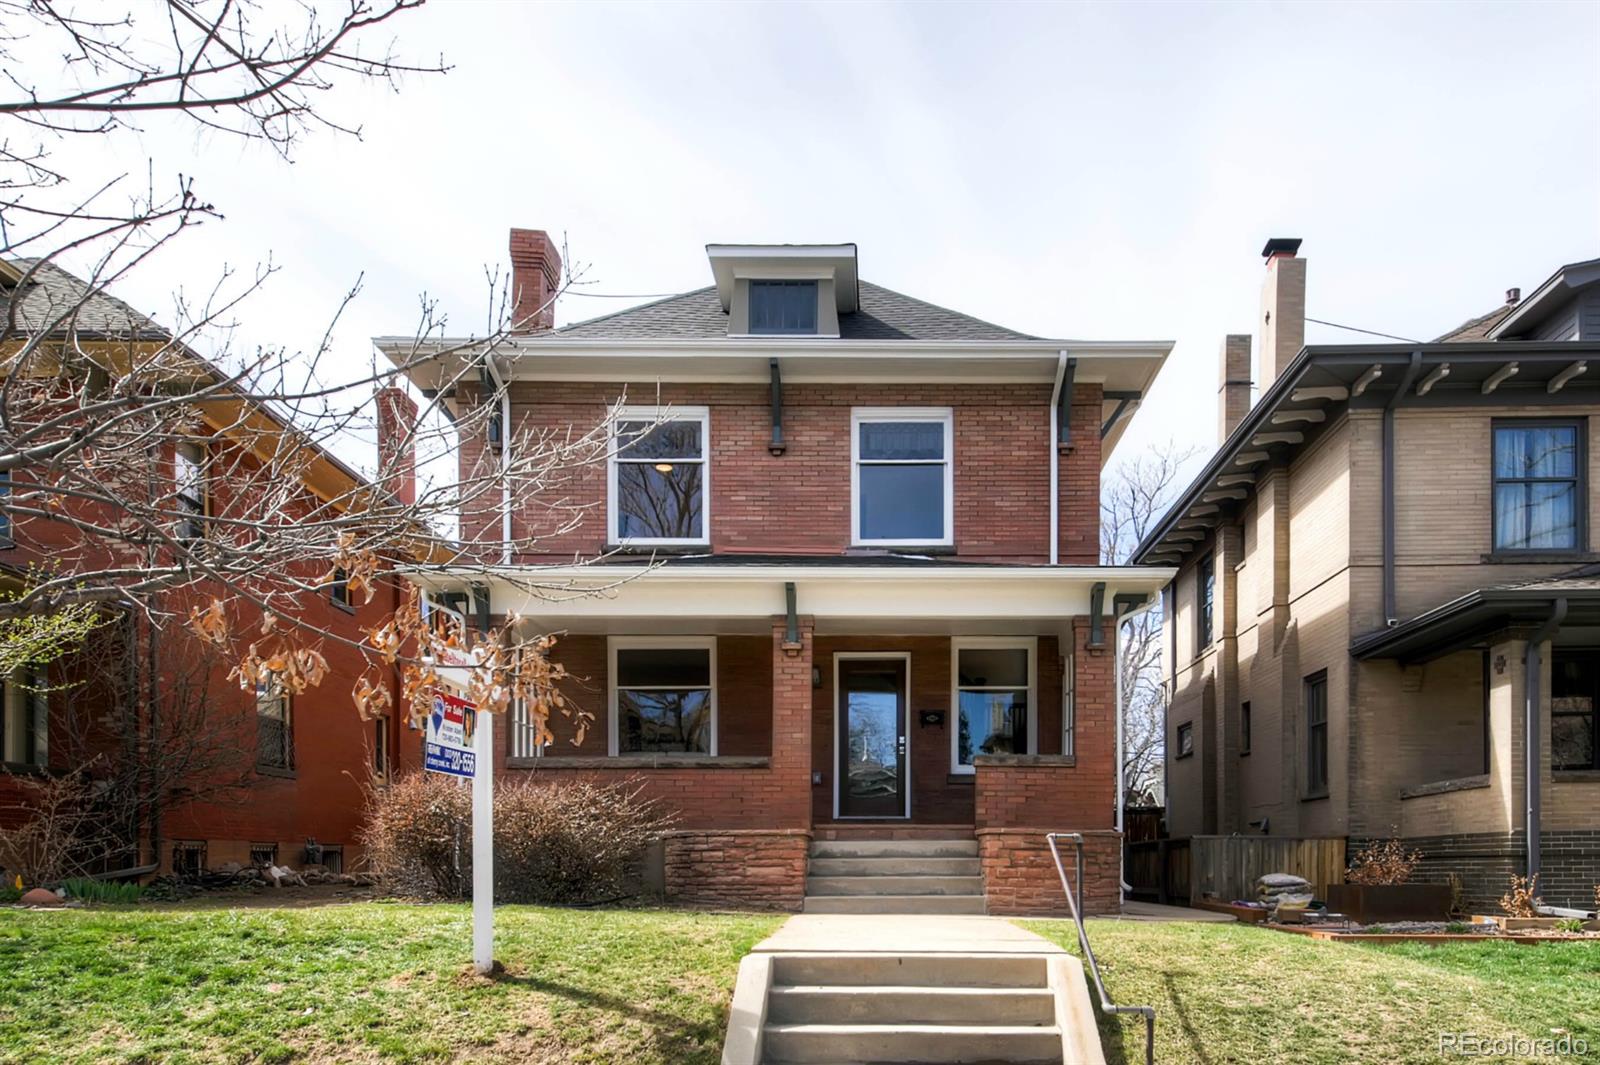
pixel 783 308
pixel 1538 501
pixel 663 699
pixel 1316 696
pixel 903 478
pixel 993 689
pixel 658 478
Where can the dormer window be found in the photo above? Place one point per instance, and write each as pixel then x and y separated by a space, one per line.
pixel 783 308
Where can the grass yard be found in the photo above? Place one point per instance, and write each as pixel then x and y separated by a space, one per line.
pixel 366 982
pixel 1233 993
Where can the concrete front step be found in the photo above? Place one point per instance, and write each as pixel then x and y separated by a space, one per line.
pixel 911 970
pixel 894 885
pixel 929 1043
pixel 895 867
pixel 895 848
pixel 907 904
pixel 902 1005
pixel 889 830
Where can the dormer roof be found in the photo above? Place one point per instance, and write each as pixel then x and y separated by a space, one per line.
pixel 832 262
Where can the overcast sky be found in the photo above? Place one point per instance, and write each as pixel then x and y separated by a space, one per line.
pixel 1075 171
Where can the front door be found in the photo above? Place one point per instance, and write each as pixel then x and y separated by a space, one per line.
pixel 872 737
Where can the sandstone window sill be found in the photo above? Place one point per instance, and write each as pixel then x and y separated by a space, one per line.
pixel 1577 776
pixel 1060 760
pixel 642 761
pixel 1442 787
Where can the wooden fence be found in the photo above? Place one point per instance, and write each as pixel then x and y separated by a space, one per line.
pixel 1226 867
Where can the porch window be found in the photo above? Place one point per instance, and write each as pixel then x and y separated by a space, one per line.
pixel 663 696
pixel 659 480
pixel 1574 685
pixel 902 482
pixel 994 685
pixel 1538 497
pixel 1316 696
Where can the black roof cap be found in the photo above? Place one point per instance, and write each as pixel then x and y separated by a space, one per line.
pixel 1291 245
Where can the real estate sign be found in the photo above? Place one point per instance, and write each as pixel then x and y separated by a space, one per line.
pixel 448 746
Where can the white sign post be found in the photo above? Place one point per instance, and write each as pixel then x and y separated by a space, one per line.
pixel 460 743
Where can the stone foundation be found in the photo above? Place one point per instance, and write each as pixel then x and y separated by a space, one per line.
pixel 755 869
pixel 1020 878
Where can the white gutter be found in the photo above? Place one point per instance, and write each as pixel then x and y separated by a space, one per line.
pixel 1116 664
pixel 1055 460
pixel 505 457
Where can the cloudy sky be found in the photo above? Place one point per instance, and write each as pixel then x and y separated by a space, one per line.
pixel 1076 171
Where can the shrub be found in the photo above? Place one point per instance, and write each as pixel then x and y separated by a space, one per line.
pixel 1573 924
pixel 87 890
pixel 1458 928
pixel 1383 863
pixel 570 842
pixel 1523 899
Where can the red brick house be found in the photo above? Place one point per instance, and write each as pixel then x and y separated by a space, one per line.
pixel 834 594
pixel 270 774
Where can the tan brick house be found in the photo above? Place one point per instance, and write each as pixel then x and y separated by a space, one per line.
pixel 878 614
pixel 1387 605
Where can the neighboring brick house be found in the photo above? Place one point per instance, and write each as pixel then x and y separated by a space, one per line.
pixel 1386 573
pixel 299 764
pixel 878 611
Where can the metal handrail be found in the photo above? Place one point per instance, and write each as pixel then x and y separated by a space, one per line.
pixel 1076 905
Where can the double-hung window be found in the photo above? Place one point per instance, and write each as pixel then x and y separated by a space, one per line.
pixel 1538 486
pixel 189 475
pixel 902 476
pixel 1205 597
pixel 1316 696
pixel 660 480
pixel 663 695
pixel 783 308
pixel 1574 687
pixel 274 727
pixel 1185 740
pixel 25 719
pixel 994 687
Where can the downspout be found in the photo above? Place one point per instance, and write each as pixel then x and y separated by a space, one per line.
pixel 505 456
pixel 1122 791
pixel 1390 611
pixel 1531 769
pixel 1055 460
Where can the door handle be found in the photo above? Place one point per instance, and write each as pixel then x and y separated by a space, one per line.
pixel 900 746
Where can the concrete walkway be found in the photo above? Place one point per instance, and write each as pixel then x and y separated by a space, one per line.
pixel 902 934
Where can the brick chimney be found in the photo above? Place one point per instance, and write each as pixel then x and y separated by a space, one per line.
pixel 535 280
pixel 397 449
pixel 1233 394
pixel 1283 308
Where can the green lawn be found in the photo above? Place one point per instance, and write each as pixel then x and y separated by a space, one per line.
pixel 366 982
pixel 1232 993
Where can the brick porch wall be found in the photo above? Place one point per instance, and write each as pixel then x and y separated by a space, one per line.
pixel 1020 878
pixel 747 870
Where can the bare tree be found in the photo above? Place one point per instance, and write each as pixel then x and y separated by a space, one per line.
pixel 1134 498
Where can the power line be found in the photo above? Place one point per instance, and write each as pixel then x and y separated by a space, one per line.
pixel 622 295
pixel 1369 332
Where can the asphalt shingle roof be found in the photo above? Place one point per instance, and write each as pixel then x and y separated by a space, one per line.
pixel 51 292
pixel 1477 328
pixel 884 315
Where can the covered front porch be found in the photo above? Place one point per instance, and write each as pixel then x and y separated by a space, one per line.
pixel 767 705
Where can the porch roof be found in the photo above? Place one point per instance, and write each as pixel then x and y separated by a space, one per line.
pixel 842 595
pixel 1483 612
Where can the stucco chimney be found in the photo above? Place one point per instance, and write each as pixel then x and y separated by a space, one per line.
pixel 397 449
pixel 1283 308
pixel 535 280
pixel 1233 394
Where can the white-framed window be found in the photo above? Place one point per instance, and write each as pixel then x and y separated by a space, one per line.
pixel 1069 707
pixel 663 694
pixel 658 478
pixel 524 737
pixel 189 475
pixel 993 681
pixel 902 479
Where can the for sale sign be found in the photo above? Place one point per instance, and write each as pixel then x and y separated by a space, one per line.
pixel 448 747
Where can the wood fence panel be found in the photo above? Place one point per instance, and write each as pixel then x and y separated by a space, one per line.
pixel 1227 867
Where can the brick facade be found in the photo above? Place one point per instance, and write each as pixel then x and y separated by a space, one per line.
pixel 750 870
pixel 1020 877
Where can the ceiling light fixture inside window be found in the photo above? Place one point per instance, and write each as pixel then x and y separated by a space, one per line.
pixel 663 467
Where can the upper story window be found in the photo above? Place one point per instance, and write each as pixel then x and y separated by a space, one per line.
pixel 783 308
pixel 660 480
pixel 1538 486
pixel 189 475
pixel 274 727
pixel 902 476
pixel 663 696
pixel 1205 594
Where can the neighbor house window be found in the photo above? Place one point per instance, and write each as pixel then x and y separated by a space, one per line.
pixel 902 479
pixel 339 589
pixel 1205 593
pixel 380 748
pixel 994 684
pixel 663 696
pixel 1574 686
pixel 263 854
pixel 274 727
pixel 1185 740
pixel 1316 695
pixel 1538 487
pixel 660 481
pixel 25 719
pixel 783 307
pixel 188 857
pixel 190 479
pixel 5 509
pixel 1244 728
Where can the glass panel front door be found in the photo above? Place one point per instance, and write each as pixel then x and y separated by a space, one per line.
pixel 872 737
